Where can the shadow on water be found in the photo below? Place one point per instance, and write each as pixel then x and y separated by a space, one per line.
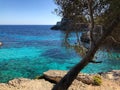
pixel 107 57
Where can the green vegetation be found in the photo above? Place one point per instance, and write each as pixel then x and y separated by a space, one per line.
pixel 97 80
pixel 105 13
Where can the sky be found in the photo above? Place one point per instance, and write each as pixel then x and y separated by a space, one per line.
pixel 28 12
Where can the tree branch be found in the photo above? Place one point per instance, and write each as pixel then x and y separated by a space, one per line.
pixel 67 80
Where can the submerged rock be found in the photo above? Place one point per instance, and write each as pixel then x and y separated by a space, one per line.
pixel 56 54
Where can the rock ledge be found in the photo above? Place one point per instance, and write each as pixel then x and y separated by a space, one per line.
pixel 110 81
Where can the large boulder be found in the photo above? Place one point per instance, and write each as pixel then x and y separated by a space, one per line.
pixel 56 76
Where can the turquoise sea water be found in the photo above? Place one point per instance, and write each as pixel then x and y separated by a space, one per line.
pixel 28 51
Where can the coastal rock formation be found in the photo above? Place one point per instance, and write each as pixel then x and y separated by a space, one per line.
pixel 112 75
pixel 26 84
pixel 56 75
pixel 110 81
pixel 56 27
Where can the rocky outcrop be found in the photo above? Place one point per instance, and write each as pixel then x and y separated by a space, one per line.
pixel 112 75
pixel 26 84
pixel 110 81
pixel 56 75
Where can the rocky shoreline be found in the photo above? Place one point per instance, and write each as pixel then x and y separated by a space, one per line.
pixel 1 43
pixel 110 81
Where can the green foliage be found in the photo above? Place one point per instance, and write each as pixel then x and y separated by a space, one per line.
pixel 105 13
pixel 71 9
pixel 103 10
pixel 97 80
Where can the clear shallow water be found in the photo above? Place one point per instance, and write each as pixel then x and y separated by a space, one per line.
pixel 28 51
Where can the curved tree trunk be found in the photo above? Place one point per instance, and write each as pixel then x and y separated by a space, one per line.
pixel 67 80
pixel 91 25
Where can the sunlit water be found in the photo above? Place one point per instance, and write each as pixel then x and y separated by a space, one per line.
pixel 28 51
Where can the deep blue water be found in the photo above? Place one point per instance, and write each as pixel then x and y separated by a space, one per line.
pixel 28 51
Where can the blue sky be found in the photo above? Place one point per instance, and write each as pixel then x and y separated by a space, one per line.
pixel 27 12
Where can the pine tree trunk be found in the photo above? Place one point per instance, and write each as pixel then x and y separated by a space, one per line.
pixel 67 80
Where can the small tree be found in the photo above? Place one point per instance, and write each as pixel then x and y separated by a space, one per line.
pixel 105 12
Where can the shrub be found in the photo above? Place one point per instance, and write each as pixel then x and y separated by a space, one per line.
pixel 97 80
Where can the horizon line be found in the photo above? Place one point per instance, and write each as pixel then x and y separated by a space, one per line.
pixel 27 24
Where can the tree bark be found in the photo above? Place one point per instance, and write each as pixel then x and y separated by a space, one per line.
pixel 90 2
pixel 67 80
